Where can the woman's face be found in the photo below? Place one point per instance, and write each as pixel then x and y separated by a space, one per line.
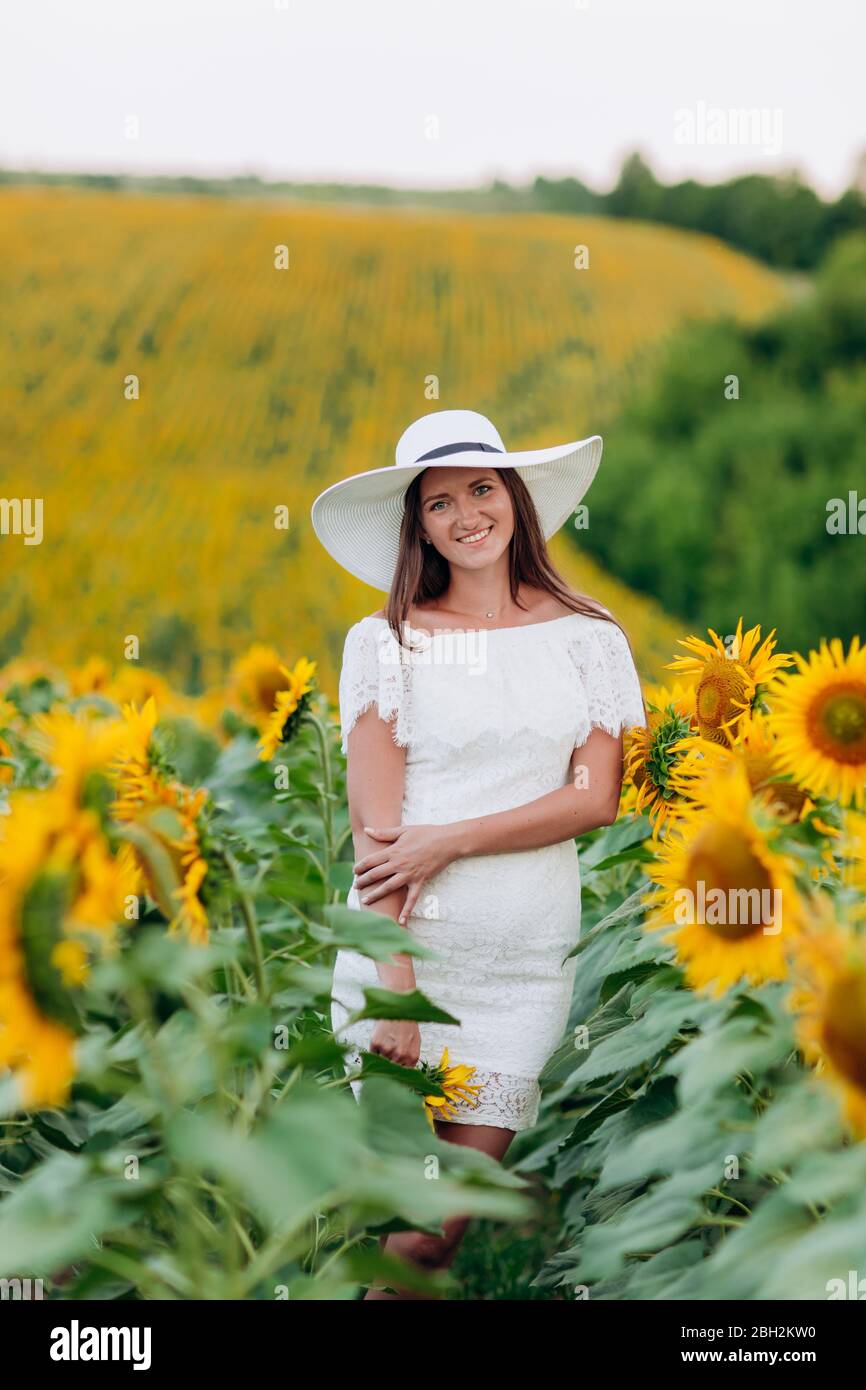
pixel 457 503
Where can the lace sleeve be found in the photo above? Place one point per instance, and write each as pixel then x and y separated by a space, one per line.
pixel 372 675
pixel 610 681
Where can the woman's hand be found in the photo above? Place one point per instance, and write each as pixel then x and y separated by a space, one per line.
pixel 414 854
pixel 398 1039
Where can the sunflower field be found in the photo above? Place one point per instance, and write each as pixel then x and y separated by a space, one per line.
pixel 180 378
pixel 176 1119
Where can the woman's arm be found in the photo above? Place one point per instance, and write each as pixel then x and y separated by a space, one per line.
pixel 375 776
pixel 417 852
pixel 589 800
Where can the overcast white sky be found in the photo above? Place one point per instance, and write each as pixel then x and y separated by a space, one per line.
pixel 343 89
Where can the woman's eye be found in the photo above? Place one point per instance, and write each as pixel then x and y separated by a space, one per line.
pixel 441 503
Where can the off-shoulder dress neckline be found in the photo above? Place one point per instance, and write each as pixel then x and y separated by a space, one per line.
pixel 520 627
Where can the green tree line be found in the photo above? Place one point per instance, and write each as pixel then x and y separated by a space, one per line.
pixel 734 481
pixel 778 219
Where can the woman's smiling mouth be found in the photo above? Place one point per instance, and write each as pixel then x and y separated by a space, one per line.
pixel 476 538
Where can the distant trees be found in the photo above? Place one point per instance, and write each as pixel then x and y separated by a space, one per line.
pixel 721 501
pixel 564 195
pixel 777 218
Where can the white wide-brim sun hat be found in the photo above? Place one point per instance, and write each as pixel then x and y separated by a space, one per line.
pixel 358 519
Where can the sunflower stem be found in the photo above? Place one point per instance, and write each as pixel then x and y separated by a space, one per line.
pixel 325 797
pixel 248 913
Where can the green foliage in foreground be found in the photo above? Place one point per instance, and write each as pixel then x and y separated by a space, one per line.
pixel 212 1147
pixel 696 1157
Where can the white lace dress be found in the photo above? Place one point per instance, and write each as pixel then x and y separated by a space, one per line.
pixel 489 720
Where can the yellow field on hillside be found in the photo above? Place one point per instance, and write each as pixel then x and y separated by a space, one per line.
pixel 259 386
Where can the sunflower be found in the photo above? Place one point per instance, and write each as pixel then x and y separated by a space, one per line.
pixel 757 750
pixel 70 959
pixel 91 678
pixel 54 868
pixel 162 820
pixel 454 1080
pixel 828 998
pixel 166 840
pixel 138 782
pixel 280 722
pixel 191 917
pixel 728 684
pixel 80 748
pixel 651 753
pixel 108 883
pixel 46 827
pixel 257 678
pixel 36 1041
pixel 819 716
pixel 725 891
pixel 76 745
pixel 134 684
pixel 758 747
pixel 40 1051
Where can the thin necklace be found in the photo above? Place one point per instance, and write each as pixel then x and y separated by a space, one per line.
pixel 465 614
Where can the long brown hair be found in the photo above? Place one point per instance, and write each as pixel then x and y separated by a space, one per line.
pixel 421 573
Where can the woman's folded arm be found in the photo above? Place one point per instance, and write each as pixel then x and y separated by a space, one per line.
pixel 375 775
pixel 589 800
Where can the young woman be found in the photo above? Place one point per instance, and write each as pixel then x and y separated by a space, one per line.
pixel 482 712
